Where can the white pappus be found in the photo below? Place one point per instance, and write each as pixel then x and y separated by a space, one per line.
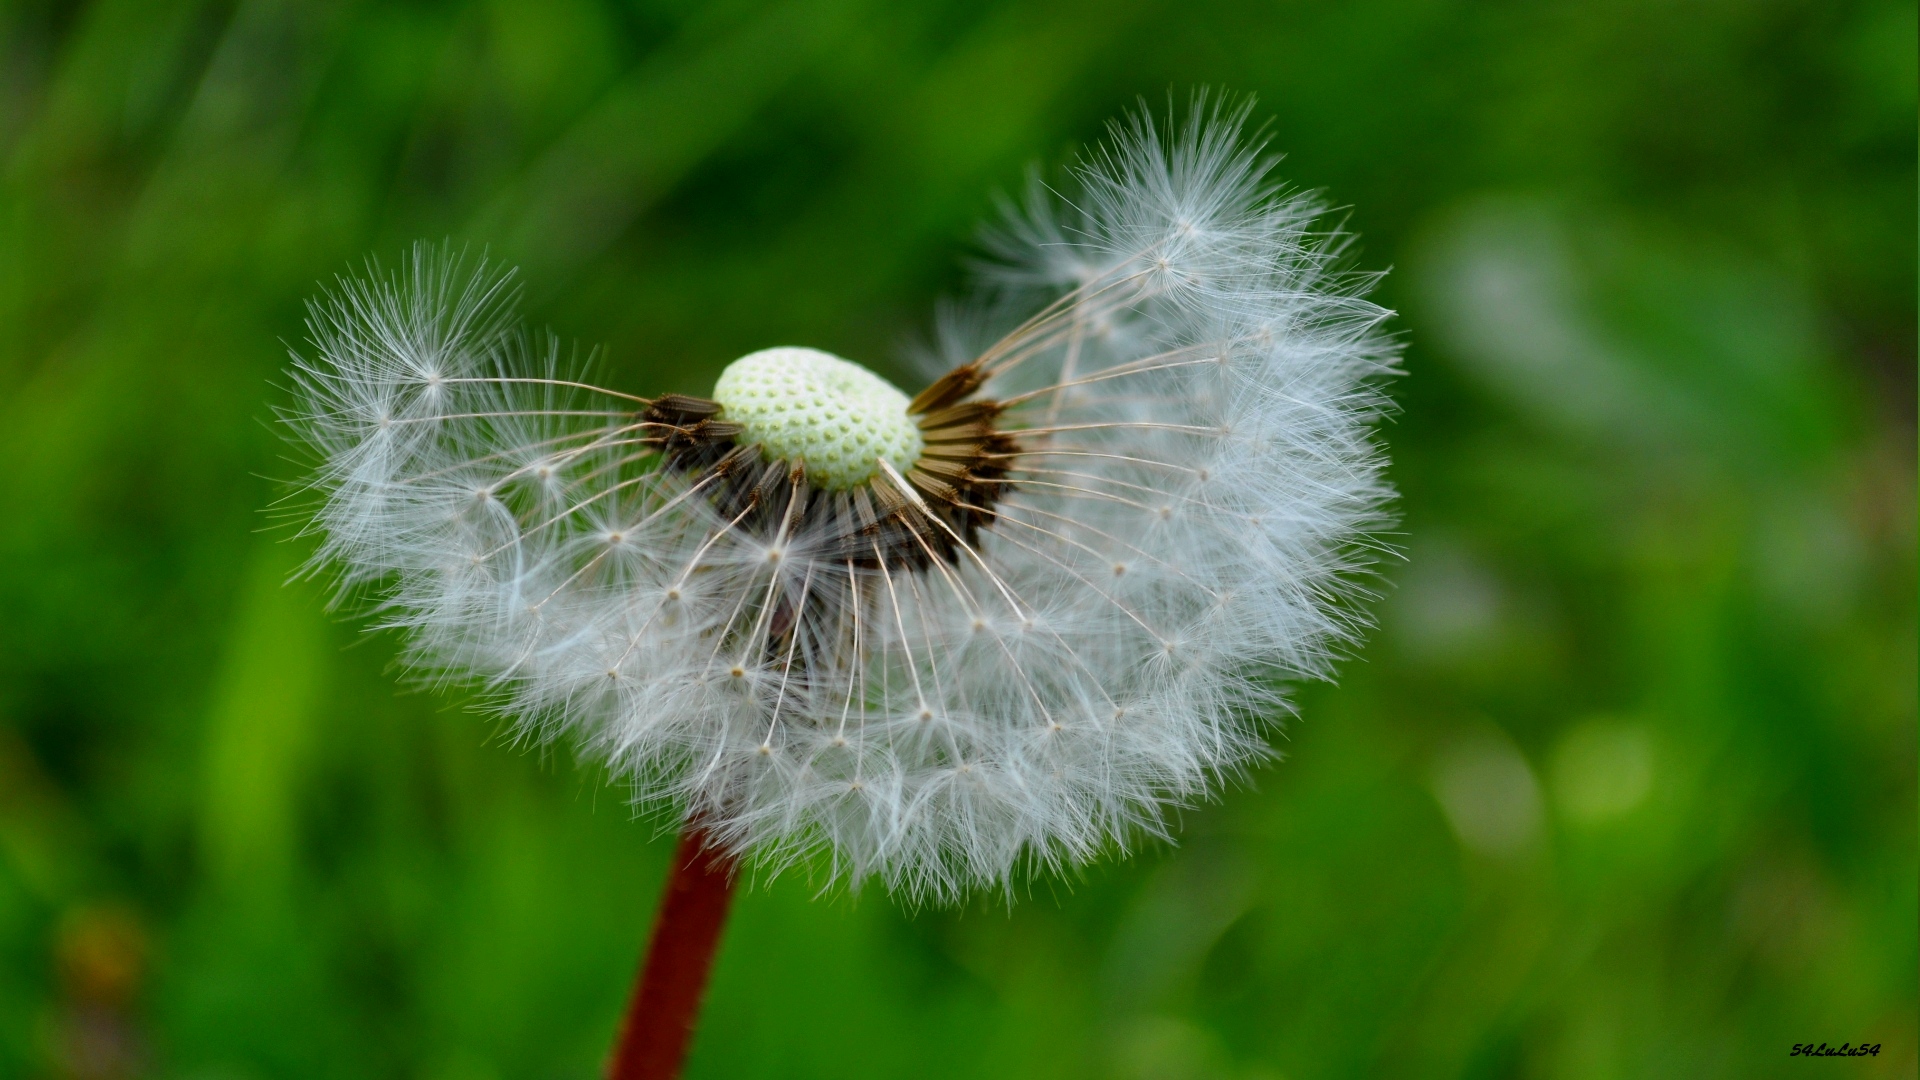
pixel 1013 620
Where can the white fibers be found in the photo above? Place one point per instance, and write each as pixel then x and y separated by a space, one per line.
pixel 1168 499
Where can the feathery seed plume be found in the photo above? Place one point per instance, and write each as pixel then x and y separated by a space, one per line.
pixel 1017 617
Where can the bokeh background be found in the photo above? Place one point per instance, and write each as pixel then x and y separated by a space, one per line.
pixel 1624 785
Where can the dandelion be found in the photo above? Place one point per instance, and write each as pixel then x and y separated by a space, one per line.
pixel 1008 622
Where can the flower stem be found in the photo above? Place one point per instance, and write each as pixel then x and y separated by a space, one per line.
pixel 666 998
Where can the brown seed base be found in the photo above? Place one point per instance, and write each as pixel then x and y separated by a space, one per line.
pixel 953 487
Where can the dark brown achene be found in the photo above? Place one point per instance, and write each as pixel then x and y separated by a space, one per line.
pixel 960 474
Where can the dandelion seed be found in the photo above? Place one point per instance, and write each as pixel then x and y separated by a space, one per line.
pixel 1042 540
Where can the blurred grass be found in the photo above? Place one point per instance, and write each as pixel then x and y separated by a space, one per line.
pixel 1623 787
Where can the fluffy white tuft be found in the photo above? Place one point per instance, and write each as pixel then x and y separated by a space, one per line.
pixel 1180 531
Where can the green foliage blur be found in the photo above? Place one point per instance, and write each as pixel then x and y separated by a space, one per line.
pixel 1623 786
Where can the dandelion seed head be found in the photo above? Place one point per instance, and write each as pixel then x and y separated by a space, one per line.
pixel 1014 620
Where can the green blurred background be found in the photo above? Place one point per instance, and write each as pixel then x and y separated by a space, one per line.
pixel 1624 785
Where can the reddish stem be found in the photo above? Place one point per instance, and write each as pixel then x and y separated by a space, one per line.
pixel 666 999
